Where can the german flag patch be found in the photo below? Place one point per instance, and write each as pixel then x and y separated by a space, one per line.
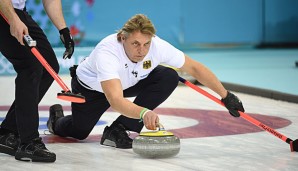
pixel 147 64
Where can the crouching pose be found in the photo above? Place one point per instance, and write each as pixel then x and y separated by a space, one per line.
pixel 126 64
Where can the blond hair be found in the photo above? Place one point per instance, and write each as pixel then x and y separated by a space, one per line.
pixel 138 22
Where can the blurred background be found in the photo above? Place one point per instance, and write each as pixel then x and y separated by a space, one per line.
pixel 184 23
pixel 194 26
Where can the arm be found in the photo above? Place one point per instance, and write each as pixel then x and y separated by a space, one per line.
pixel 114 94
pixel 207 78
pixel 17 28
pixel 54 10
pixel 203 75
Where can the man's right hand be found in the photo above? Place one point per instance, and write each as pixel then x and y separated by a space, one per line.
pixel 18 29
pixel 150 120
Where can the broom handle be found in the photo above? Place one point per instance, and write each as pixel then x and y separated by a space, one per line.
pixel 242 114
pixel 49 69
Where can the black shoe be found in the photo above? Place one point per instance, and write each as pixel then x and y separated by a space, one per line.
pixel 34 151
pixel 9 143
pixel 56 112
pixel 116 136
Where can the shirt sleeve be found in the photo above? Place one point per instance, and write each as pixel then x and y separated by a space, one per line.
pixel 170 55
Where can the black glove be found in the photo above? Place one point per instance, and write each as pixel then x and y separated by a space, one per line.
pixel 233 104
pixel 68 42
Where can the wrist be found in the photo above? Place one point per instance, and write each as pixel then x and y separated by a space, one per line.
pixel 225 95
pixel 147 111
pixel 143 112
pixel 64 30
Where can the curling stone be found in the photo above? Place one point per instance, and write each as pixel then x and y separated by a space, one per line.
pixel 156 144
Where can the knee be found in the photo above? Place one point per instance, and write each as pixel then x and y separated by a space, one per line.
pixel 81 137
pixel 80 134
pixel 33 72
pixel 173 75
pixel 170 78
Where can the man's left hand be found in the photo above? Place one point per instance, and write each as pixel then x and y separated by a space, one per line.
pixel 68 42
pixel 233 104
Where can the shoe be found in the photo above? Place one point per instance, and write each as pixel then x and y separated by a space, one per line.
pixel 56 112
pixel 34 151
pixel 9 143
pixel 116 136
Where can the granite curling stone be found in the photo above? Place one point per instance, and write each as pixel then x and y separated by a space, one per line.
pixel 156 144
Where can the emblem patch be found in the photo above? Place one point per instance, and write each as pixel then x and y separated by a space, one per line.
pixel 147 64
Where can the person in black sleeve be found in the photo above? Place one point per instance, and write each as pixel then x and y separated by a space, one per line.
pixel 19 134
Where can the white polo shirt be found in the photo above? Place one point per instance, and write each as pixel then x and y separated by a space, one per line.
pixel 109 61
pixel 18 4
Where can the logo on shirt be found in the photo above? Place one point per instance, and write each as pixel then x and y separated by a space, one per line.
pixel 135 73
pixel 147 64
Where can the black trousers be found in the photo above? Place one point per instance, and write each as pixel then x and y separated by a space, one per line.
pixel 32 80
pixel 149 92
